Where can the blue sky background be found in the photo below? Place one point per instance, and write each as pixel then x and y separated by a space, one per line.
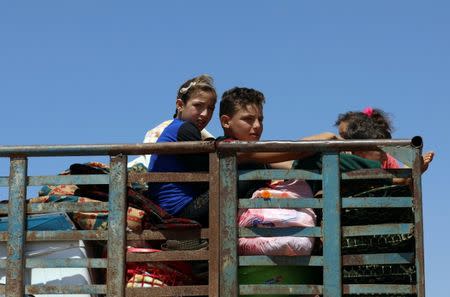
pixel 80 72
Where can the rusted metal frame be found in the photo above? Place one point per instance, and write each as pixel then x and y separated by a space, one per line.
pixel 55 263
pixel 376 173
pixel 195 255
pixel 15 286
pixel 170 234
pixel 275 174
pixel 65 289
pixel 281 289
pixel 184 147
pixel 33 208
pixel 375 202
pixel 116 227
pixel 418 221
pixel 214 226
pixel 168 177
pixel 374 259
pixel 76 179
pixel 332 275
pixel 379 229
pixel 379 289
pixel 281 260
pixel 309 145
pixel 228 286
pixel 61 235
pixel 271 232
pixel 168 291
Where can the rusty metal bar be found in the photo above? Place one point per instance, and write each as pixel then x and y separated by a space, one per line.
pixel 117 239
pixel 281 289
pixel 184 147
pixel 374 259
pixel 418 222
pixel 228 230
pixel 196 255
pixel 310 145
pixel 61 235
pixel 170 234
pixel 168 291
pixel 332 278
pixel 268 174
pixel 214 226
pixel 15 286
pixel 65 289
pixel 379 229
pixel 387 289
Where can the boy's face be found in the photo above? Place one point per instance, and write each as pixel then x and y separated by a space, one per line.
pixel 198 109
pixel 245 125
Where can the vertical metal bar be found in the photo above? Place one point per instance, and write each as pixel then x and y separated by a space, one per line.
pixel 332 278
pixel 117 226
pixel 214 225
pixel 15 286
pixel 418 221
pixel 228 286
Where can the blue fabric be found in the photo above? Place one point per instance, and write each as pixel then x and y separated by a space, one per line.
pixel 173 197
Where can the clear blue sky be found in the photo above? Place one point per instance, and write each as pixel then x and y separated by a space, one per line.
pixel 79 72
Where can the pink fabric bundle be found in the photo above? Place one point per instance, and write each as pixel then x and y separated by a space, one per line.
pixel 278 218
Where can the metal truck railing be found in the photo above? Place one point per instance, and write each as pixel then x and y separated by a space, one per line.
pixel 222 233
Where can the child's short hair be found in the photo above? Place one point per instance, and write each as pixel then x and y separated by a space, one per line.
pixel 190 87
pixel 362 128
pixel 236 98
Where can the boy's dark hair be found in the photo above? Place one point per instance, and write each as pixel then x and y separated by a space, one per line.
pixel 236 98
pixel 202 82
pixel 380 120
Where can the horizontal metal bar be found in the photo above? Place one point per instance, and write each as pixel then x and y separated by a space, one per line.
pixel 374 259
pixel 60 207
pixel 312 145
pixel 169 256
pixel 183 147
pixel 55 263
pixel 280 289
pixel 375 202
pixel 281 260
pixel 82 179
pixel 376 173
pixel 66 263
pixel 280 203
pixel 379 289
pixel 381 229
pixel 65 289
pixel 168 177
pixel 271 232
pixel 169 234
pixel 198 290
pixel 61 235
pixel 269 174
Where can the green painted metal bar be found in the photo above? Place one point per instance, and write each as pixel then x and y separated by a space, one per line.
pixel 332 277
pixel 379 289
pixel 271 232
pixel 375 202
pixel 117 240
pixel 418 221
pixel 281 289
pixel 380 229
pixel 66 289
pixel 376 173
pixel 281 260
pixel 281 203
pixel 374 259
pixel 85 179
pixel 55 263
pixel 269 174
pixel 61 235
pixel 199 290
pixel 33 208
pixel 15 286
pixel 228 211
